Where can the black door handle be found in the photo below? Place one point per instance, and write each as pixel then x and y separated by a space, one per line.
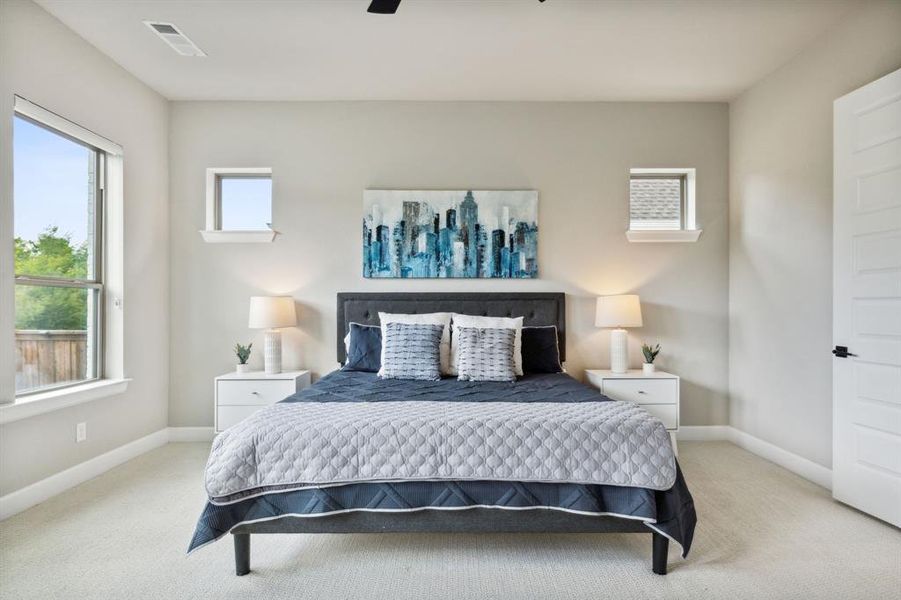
pixel 842 352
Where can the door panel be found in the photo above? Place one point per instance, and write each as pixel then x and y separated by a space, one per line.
pixel 879 317
pixel 877 251
pixel 877 122
pixel 876 191
pixel 878 382
pixel 866 466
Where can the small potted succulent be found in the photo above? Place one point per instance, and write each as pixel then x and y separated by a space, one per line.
pixel 649 355
pixel 243 353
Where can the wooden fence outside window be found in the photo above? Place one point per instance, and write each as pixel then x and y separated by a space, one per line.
pixel 45 358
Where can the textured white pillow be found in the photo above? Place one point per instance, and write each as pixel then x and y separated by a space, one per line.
pixel 427 319
pixel 488 323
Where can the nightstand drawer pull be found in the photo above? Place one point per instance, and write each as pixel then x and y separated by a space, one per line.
pixel 245 393
pixel 643 391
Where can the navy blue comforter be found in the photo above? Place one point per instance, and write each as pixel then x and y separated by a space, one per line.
pixel 354 386
pixel 669 512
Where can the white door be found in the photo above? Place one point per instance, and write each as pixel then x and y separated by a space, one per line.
pixel 866 329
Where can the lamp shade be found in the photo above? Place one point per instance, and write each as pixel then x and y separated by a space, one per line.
pixel 618 311
pixel 271 312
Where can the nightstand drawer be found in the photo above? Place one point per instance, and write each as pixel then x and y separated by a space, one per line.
pixel 229 415
pixel 668 413
pixel 643 391
pixel 253 392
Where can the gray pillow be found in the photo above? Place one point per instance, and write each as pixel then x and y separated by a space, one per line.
pixel 485 354
pixel 411 351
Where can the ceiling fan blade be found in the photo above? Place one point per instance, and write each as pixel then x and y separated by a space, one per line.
pixel 383 7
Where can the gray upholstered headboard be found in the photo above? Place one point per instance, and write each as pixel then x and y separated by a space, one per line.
pixel 536 308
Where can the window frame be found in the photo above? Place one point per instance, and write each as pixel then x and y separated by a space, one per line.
pixel 213 232
pixel 94 283
pixel 688 230
pixel 111 379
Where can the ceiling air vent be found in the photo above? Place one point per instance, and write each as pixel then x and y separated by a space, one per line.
pixel 173 36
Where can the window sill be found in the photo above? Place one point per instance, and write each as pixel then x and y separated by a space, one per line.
pixel 240 237
pixel 49 401
pixel 681 235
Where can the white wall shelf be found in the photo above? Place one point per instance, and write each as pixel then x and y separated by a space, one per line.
pixel 656 236
pixel 218 236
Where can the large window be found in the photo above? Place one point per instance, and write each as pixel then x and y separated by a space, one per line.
pixel 58 206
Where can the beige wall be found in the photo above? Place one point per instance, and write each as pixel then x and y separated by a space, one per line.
pixel 780 258
pixel 45 62
pixel 324 155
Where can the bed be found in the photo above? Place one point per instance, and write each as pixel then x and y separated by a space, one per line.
pixel 258 481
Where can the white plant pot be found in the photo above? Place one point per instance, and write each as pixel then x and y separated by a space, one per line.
pixel 647 368
pixel 242 368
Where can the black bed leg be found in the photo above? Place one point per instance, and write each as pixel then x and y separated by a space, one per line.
pixel 661 548
pixel 242 553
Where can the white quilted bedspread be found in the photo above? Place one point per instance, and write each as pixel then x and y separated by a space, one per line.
pixel 306 444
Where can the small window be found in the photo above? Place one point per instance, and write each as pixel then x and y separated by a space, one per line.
pixel 661 205
pixel 239 205
pixel 656 202
pixel 58 206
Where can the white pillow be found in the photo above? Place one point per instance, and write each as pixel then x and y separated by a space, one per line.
pixel 489 323
pixel 427 319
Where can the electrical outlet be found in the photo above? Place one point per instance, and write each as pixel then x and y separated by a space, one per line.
pixel 81 432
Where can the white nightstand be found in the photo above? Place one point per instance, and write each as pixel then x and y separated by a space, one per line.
pixel 657 393
pixel 238 395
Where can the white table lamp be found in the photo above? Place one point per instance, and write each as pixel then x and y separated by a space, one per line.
pixel 270 313
pixel 618 312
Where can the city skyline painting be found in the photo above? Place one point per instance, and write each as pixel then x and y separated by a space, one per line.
pixel 411 234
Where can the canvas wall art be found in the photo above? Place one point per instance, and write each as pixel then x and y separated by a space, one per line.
pixel 450 234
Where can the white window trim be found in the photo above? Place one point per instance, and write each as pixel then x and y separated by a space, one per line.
pixel 114 380
pixel 53 120
pixel 211 234
pixel 44 402
pixel 690 232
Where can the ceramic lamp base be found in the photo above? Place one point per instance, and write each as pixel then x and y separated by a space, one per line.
pixel 272 351
pixel 619 351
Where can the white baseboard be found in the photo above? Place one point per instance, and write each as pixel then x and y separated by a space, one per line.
pixel 22 499
pixel 798 465
pixel 703 433
pixel 191 434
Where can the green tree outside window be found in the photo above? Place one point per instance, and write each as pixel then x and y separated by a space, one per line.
pixel 52 254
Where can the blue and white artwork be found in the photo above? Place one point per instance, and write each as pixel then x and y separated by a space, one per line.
pixel 447 234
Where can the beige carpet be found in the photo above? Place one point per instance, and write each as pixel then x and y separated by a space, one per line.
pixel 762 533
